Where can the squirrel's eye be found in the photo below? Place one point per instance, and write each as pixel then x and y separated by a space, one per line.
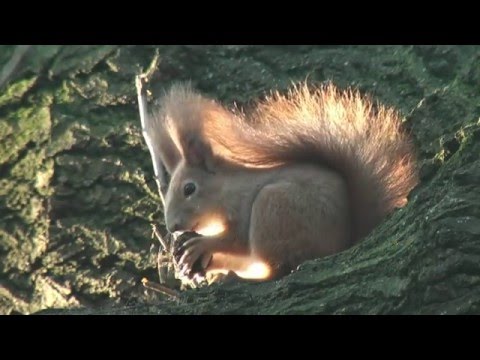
pixel 189 189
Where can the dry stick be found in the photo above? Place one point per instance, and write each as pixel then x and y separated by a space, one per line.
pixel 160 288
pixel 142 108
pixel 158 167
pixel 12 64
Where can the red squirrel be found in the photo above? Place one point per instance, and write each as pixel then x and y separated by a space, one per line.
pixel 303 175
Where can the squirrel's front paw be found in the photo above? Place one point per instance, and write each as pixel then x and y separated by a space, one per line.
pixel 191 251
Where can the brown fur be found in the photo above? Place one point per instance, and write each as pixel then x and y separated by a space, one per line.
pixel 324 126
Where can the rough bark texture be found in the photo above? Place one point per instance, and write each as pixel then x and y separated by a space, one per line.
pixel 77 195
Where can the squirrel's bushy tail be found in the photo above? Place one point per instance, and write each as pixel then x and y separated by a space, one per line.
pixel 342 130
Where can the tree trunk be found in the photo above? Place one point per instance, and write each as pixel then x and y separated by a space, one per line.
pixel 77 195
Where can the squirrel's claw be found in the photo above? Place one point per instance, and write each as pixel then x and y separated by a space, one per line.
pixel 192 250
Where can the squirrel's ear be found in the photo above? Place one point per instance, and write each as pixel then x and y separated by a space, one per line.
pixel 199 153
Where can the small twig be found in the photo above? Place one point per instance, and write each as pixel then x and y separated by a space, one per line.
pixel 152 67
pixel 160 238
pixel 160 288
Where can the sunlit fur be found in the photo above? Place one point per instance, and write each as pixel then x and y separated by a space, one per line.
pixel 210 227
pixel 255 271
pixel 245 267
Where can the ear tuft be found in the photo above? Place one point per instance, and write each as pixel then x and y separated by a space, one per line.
pixel 199 153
